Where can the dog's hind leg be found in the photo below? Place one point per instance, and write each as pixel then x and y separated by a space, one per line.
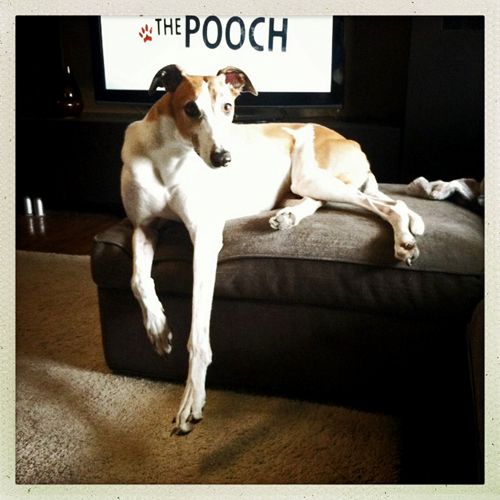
pixel 417 225
pixel 155 322
pixel 324 186
pixel 320 183
pixel 207 241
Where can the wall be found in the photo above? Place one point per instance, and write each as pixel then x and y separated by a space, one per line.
pixel 444 126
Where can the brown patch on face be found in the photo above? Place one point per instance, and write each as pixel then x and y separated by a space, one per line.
pixel 188 90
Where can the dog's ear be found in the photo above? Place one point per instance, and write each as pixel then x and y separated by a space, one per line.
pixel 168 77
pixel 238 80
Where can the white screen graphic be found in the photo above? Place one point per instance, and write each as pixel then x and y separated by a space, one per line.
pixel 279 54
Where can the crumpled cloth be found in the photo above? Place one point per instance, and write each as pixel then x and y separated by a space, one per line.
pixel 465 192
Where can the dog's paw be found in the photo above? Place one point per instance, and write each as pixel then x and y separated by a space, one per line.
pixel 191 409
pixel 417 224
pixel 407 251
pixel 162 343
pixel 185 427
pixel 159 333
pixel 182 430
pixel 283 220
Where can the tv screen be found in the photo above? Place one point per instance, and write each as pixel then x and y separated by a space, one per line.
pixel 292 61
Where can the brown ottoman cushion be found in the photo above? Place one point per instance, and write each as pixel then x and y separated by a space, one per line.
pixel 340 257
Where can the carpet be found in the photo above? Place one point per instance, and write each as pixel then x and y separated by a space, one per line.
pixel 77 422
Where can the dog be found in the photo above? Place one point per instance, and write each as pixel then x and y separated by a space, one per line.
pixel 187 161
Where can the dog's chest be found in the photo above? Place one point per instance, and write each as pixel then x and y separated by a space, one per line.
pixel 254 181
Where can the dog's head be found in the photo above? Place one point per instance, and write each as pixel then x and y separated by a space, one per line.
pixel 203 107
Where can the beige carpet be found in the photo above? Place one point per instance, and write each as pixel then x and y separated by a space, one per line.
pixel 79 423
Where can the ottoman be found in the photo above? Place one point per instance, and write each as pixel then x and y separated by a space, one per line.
pixel 323 311
pixel 320 309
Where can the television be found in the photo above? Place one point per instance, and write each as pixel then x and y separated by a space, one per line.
pixel 292 61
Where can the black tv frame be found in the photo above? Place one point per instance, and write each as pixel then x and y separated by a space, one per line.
pixel 332 99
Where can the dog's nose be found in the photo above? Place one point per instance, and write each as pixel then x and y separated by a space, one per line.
pixel 220 158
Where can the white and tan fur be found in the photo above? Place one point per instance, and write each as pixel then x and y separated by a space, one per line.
pixel 169 161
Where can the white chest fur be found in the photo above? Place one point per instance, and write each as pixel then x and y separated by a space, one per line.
pixel 182 184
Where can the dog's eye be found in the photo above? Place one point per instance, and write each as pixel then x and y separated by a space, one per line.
pixel 191 109
pixel 228 107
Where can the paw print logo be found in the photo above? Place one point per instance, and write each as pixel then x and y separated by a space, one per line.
pixel 146 33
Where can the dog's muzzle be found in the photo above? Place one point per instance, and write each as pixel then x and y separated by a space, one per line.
pixel 220 158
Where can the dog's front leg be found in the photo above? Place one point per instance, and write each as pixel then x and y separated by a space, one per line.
pixel 143 244
pixel 207 241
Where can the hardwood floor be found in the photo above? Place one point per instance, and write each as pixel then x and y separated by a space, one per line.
pixel 61 232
